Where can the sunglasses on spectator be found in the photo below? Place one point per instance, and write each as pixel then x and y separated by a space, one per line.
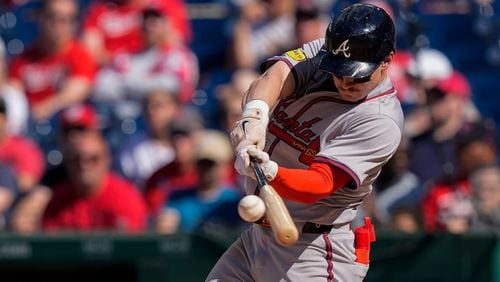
pixel 74 128
pixel 88 159
pixel 58 18
pixel 434 95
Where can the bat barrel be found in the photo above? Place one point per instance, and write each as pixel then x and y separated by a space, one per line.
pixel 281 222
pixel 279 218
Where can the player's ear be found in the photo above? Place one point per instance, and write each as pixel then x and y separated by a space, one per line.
pixel 388 60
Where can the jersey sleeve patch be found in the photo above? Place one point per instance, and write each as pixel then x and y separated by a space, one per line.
pixel 297 55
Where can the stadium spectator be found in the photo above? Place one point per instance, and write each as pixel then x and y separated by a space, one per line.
pixel 397 188
pixel 179 174
pixel 55 72
pixel 432 126
pixel 485 183
pixel 310 22
pixel 406 220
pixel 162 64
pixel 93 197
pixel 229 97
pixel 112 27
pixel 21 154
pixel 447 205
pixel 213 155
pixel 262 29
pixel 144 152
pixel 74 122
pixel 425 70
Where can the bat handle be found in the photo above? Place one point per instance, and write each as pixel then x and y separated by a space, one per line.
pixel 259 174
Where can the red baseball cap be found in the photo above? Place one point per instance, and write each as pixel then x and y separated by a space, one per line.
pixel 81 115
pixel 455 84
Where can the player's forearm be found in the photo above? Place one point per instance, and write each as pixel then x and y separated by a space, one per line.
pixel 309 185
pixel 276 82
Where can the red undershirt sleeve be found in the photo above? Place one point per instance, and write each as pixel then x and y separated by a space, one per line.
pixel 311 184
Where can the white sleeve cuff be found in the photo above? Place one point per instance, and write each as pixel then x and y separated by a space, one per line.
pixel 260 105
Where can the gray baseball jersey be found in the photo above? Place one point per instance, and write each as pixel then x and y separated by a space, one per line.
pixel 316 124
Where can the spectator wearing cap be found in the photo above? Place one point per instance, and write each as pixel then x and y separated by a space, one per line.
pixel 78 119
pixel 429 70
pixel 447 205
pixel 146 151
pixel 433 125
pixel 113 27
pixel 183 131
pixel 55 72
pixel 74 122
pixel 21 154
pixel 213 155
pixel 93 197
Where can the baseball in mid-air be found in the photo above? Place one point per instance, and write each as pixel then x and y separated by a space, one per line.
pixel 251 208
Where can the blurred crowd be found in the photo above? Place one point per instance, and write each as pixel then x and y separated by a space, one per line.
pixel 110 120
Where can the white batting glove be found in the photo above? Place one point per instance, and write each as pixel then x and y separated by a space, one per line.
pixel 251 128
pixel 243 165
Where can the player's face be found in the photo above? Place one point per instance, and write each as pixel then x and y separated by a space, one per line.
pixel 352 90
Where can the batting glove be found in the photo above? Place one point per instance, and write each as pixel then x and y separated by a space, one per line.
pixel 251 128
pixel 243 166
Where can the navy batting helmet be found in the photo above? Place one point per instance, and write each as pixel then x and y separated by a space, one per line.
pixel 357 41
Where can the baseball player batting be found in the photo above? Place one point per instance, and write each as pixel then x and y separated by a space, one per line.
pixel 335 121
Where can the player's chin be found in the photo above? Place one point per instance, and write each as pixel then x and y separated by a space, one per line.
pixel 351 96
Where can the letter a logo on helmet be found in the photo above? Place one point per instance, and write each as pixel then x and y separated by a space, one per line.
pixel 343 48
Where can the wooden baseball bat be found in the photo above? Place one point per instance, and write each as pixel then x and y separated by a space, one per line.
pixel 277 214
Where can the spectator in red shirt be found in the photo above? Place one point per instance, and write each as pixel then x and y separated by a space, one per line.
pixel 56 71
pixel 112 27
pixel 93 197
pixel 74 122
pixel 21 154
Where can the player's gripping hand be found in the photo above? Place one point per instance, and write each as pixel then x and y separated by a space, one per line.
pixel 243 164
pixel 251 128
